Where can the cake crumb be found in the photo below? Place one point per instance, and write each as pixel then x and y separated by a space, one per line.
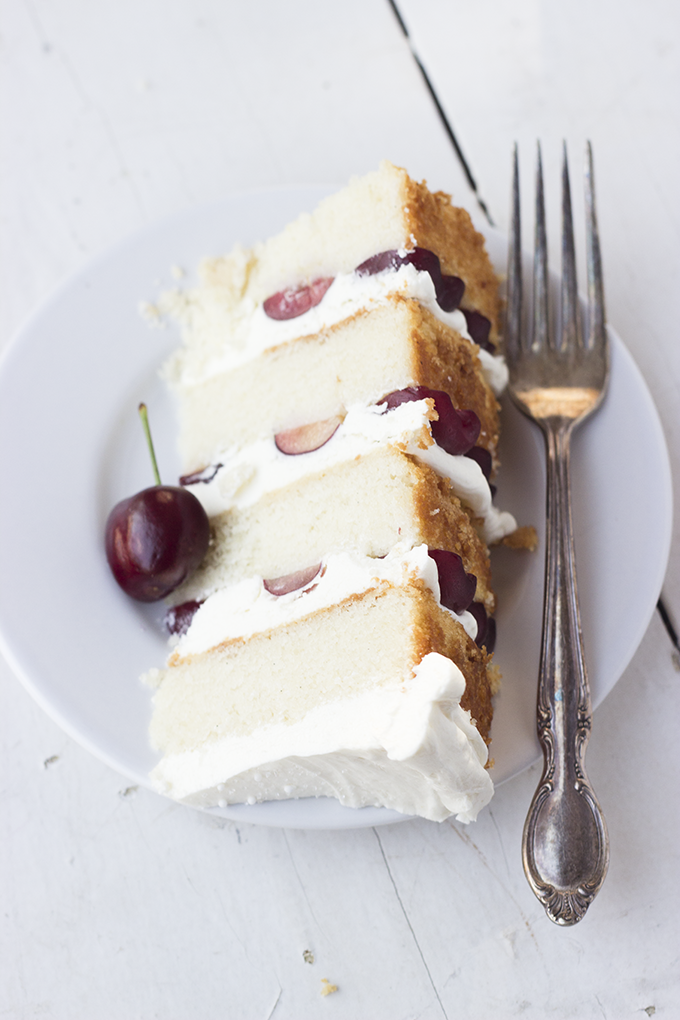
pixel 522 538
pixel 495 676
pixel 327 988
pixel 152 678
pixel 150 313
pixel 308 956
pixel 177 272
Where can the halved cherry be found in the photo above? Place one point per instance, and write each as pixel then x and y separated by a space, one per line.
pixel 422 259
pixel 483 458
pixel 205 475
pixel 306 438
pixel 294 301
pixel 486 627
pixel 456 587
pixel 449 289
pixel 479 328
pixel 291 582
pixel 456 431
pixel 178 618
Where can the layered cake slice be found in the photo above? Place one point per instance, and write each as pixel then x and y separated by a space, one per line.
pixel 358 685
pixel 387 346
pixel 338 420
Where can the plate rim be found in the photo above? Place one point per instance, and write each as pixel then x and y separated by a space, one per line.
pixel 189 214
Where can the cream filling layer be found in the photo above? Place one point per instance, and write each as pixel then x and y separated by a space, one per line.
pixel 249 473
pixel 247 608
pixel 407 745
pixel 251 331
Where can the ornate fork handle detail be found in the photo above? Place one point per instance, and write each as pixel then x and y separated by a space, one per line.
pixel 558 378
pixel 565 845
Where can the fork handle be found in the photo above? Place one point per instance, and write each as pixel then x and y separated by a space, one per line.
pixel 565 848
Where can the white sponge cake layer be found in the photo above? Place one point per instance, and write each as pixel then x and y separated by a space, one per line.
pixel 218 340
pixel 247 608
pixel 367 505
pixel 279 676
pixel 357 362
pixel 381 211
pixel 243 476
pixel 363 218
pixel 209 711
pixel 408 746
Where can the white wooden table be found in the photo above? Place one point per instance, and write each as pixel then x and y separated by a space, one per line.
pixel 118 904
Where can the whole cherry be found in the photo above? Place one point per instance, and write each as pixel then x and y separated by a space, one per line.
pixel 156 538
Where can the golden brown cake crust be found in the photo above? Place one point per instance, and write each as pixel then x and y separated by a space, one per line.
pixel 444 360
pixel 522 538
pixel 446 525
pixel 441 359
pixel 436 631
pixel 447 230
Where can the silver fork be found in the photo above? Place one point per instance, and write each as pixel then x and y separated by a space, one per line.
pixel 558 380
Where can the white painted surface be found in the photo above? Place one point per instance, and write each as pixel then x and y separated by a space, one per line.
pixel 120 904
pixel 605 71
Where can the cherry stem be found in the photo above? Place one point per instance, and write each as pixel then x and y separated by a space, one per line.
pixel 147 431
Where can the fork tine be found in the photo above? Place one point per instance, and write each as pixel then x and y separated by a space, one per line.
pixel 513 321
pixel 571 324
pixel 540 331
pixel 596 312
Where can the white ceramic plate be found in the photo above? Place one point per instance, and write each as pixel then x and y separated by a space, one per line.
pixel 71 446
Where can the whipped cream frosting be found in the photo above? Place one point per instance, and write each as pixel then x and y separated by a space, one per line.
pixel 247 608
pixel 251 331
pixel 407 746
pixel 250 472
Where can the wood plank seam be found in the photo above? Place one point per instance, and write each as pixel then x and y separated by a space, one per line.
pixel 442 115
pixel 408 922
pixel 661 608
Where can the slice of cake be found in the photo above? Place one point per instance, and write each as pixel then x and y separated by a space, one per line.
pixel 346 688
pixel 387 346
pixel 338 420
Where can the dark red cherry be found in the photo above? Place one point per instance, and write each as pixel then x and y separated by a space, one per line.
pixel 178 618
pixel 155 540
pixel 479 328
pixel 420 258
pixel 490 636
pixel 486 627
pixel 289 303
pixel 291 582
pixel 457 588
pixel 425 261
pixel 449 289
pixel 204 475
pixel 485 461
pixel 455 431
pixel 379 263
pixel 450 293
pixel 483 458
